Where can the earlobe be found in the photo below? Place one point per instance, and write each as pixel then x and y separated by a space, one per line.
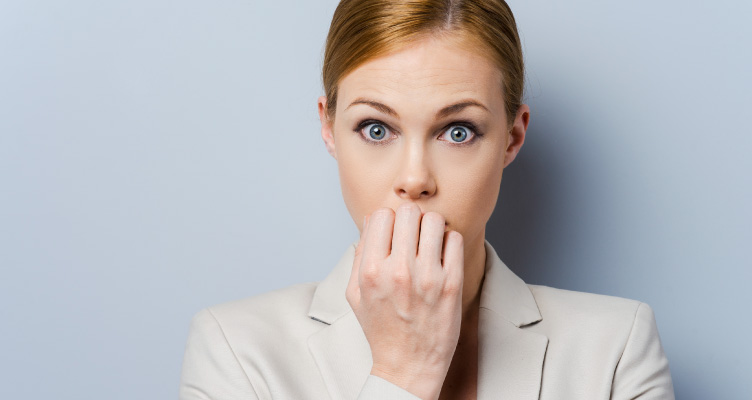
pixel 327 128
pixel 517 134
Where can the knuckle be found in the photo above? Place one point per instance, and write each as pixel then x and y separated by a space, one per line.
pixel 401 277
pixel 426 285
pixel 369 273
pixel 452 288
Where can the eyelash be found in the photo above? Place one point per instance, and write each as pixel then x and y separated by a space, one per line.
pixel 466 124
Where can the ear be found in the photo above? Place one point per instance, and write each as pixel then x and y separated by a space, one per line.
pixel 517 134
pixel 327 128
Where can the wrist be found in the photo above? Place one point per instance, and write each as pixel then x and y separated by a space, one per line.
pixel 423 384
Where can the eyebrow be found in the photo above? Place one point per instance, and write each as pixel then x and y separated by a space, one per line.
pixel 444 112
pixel 375 104
pixel 457 107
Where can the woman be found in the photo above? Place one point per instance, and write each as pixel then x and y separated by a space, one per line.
pixel 423 112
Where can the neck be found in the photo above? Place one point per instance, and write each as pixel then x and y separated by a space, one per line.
pixel 475 266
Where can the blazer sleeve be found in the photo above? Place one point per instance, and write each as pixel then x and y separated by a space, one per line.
pixel 210 368
pixel 643 372
pixel 211 371
pixel 377 388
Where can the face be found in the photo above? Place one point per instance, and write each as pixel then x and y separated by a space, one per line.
pixel 425 124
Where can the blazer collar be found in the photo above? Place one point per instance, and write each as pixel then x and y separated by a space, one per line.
pixel 510 358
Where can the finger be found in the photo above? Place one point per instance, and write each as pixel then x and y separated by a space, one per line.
pixel 454 258
pixel 379 233
pixel 431 238
pixel 406 231
pixel 353 288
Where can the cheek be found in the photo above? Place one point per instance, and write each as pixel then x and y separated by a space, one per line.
pixel 354 183
pixel 471 191
pixel 363 186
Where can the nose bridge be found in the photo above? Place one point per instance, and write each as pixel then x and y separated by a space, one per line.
pixel 416 152
pixel 415 179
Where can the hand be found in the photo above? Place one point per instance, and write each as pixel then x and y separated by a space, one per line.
pixel 406 291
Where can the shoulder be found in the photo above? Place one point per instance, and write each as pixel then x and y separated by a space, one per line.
pixel 251 329
pixel 610 340
pixel 293 299
pixel 593 326
pixel 586 319
pixel 234 347
pixel 266 315
pixel 582 307
pixel 256 324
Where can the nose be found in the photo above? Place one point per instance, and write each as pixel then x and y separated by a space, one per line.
pixel 415 180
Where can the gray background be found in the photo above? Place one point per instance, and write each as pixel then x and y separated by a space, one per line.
pixel 157 157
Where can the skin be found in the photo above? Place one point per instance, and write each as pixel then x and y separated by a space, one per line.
pixel 419 264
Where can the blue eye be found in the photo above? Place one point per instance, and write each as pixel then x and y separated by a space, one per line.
pixel 376 131
pixel 458 133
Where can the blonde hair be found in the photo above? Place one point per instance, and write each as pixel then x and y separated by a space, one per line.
pixel 365 29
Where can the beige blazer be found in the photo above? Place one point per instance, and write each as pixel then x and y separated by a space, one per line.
pixel 535 342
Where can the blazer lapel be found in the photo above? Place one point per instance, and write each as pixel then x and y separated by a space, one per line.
pixel 340 349
pixel 343 356
pixel 510 360
pixel 510 357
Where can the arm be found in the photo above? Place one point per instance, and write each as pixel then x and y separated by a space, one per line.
pixel 210 368
pixel 643 372
pixel 212 372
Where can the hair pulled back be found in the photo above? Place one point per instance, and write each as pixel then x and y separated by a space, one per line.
pixel 365 29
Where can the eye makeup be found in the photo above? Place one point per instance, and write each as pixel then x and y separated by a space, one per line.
pixel 363 124
pixel 476 133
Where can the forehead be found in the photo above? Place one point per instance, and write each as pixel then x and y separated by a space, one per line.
pixel 432 69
